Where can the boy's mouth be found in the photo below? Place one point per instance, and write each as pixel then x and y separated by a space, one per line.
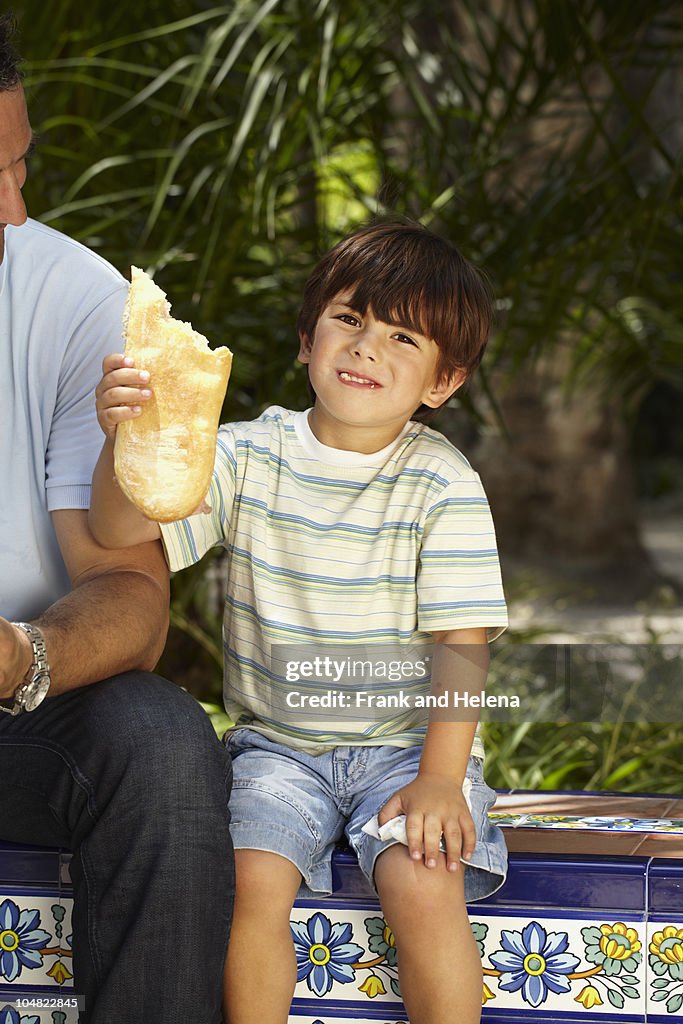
pixel 356 380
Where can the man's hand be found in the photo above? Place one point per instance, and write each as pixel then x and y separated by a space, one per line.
pixel 121 391
pixel 433 804
pixel 16 658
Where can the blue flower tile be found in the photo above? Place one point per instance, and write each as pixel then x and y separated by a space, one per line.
pixel 665 968
pixel 35 943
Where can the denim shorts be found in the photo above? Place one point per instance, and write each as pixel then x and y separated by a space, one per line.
pixel 300 806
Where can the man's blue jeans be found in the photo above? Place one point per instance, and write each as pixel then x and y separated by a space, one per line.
pixel 129 774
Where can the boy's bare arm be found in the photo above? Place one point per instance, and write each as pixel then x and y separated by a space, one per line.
pixel 434 803
pixel 114 521
pixel 460 666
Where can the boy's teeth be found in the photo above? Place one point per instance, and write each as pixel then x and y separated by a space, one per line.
pixel 357 380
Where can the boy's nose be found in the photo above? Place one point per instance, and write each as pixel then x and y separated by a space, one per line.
pixel 366 346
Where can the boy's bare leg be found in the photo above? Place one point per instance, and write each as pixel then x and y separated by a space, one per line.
pixel 439 966
pixel 260 969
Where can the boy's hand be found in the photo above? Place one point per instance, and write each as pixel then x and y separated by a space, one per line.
pixel 433 804
pixel 121 391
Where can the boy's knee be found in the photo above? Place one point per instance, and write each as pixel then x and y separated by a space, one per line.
pixel 266 880
pixel 413 889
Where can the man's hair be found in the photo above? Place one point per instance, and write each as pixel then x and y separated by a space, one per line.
pixel 10 61
pixel 407 275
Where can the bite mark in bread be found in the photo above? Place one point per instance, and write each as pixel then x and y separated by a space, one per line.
pixel 164 457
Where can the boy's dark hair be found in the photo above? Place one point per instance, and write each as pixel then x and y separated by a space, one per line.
pixel 408 275
pixel 10 61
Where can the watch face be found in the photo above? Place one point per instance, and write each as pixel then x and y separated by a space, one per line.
pixel 35 693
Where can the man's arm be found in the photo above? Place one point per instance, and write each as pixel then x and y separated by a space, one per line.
pixel 114 619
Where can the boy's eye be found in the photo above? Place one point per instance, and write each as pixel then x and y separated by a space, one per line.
pixel 347 318
pixel 405 338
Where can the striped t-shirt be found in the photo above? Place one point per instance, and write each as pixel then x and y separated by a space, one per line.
pixel 337 551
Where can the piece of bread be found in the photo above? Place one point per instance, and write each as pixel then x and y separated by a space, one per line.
pixel 164 458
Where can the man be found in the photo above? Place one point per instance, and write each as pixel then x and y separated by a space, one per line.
pixel 96 754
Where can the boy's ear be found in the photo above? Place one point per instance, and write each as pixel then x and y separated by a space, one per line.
pixel 444 388
pixel 305 347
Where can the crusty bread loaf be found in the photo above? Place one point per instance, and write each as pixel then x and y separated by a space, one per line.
pixel 164 458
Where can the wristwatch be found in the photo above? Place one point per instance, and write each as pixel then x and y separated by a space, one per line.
pixel 33 690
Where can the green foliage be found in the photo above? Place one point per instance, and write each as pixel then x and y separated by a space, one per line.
pixel 635 757
pixel 602 715
pixel 225 147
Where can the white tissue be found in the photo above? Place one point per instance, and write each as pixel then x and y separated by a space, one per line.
pixel 395 828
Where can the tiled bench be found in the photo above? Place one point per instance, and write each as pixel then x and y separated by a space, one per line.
pixel 35 920
pixel 592 920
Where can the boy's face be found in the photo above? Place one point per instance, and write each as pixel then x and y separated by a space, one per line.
pixel 369 377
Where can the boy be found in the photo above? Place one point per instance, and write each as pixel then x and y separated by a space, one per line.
pixel 352 523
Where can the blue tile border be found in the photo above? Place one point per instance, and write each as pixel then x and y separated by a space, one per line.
pixel 21 863
pixel 665 886
pixel 599 883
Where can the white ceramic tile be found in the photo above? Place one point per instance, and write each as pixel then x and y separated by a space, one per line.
pixel 664 956
pixel 558 963
pixel 598 963
pixel 347 954
pixel 40 925
pixel 356 944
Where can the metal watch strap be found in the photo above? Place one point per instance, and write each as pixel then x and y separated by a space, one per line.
pixel 40 664
pixel 40 667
